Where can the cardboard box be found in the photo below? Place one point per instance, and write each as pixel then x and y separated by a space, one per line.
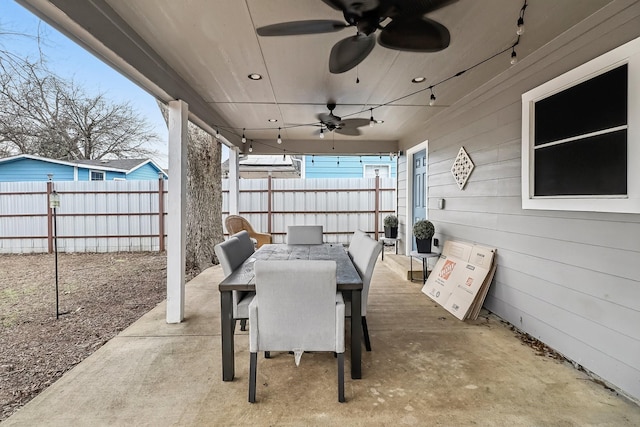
pixel 460 279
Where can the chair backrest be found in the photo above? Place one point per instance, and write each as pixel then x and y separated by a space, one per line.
pixel 357 236
pixel 236 223
pixel 296 306
pixel 233 252
pixel 304 235
pixel 364 254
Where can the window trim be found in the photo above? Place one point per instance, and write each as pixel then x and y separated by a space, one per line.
pixel 629 53
pixel 376 166
pixel 92 171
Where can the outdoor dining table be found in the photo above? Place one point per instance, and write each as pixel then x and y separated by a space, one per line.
pixel 243 279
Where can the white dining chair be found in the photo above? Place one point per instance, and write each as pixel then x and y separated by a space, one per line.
pixel 304 235
pixel 231 254
pixel 297 309
pixel 363 252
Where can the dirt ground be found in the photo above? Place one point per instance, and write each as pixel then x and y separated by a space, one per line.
pixel 100 294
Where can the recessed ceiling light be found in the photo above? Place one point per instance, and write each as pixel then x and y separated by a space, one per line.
pixel 418 79
pixel 273 120
pixel 255 76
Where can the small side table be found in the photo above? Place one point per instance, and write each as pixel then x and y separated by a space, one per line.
pixel 394 240
pixel 424 257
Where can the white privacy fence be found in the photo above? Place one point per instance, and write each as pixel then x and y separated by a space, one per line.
pixel 340 205
pixel 113 216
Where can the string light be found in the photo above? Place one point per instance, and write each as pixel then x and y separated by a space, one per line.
pixel 321 132
pixel 432 98
pixel 251 146
pixel 313 159
pixel 279 140
pixel 217 134
pixel 338 160
pixel 284 155
pixel 360 159
pixel 371 121
pixel 520 25
pixel 244 139
pixel 514 56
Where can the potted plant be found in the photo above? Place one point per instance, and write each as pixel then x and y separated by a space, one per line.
pixel 423 230
pixel 391 226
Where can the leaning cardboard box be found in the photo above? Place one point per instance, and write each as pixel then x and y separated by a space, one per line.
pixel 460 279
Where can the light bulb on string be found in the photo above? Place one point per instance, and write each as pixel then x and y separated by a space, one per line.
pixel 321 132
pixel 338 160
pixel 371 121
pixel 244 139
pixel 313 159
pixel 279 140
pixel 520 30
pixel 360 159
pixel 284 155
pixel 514 56
pixel 217 134
pixel 251 146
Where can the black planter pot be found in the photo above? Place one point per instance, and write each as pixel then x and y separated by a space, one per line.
pixel 423 245
pixel 391 232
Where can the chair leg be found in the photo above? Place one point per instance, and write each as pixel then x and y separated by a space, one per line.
pixel 340 377
pixel 365 333
pixel 253 362
pixel 267 355
pixel 243 324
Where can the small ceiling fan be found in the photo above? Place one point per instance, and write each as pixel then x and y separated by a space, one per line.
pixel 344 127
pixel 408 30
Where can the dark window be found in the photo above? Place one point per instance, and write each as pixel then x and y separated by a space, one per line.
pixel 568 159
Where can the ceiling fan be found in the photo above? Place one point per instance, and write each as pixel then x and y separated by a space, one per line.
pixel 408 30
pixel 345 127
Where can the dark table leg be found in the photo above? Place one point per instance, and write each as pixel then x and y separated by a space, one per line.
pixel 356 335
pixel 424 271
pixel 226 320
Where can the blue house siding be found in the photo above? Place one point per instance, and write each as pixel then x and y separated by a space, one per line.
pixel 20 170
pixel 145 172
pixel 28 168
pixel 348 166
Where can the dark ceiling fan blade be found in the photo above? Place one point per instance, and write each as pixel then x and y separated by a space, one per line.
pixel 415 7
pixel 415 35
pixel 349 52
pixel 349 131
pixel 294 28
pixel 352 6
pixel 355 123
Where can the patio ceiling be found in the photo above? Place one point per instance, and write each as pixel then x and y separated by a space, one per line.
pixel 201 51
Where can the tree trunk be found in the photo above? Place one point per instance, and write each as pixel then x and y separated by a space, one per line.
pixel 204 198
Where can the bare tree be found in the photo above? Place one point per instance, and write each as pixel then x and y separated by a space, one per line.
pixel 43 114
pixel 204 197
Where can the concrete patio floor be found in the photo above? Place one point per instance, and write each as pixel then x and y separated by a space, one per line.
pixel 426 368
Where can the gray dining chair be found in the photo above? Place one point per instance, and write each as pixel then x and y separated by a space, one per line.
pixel 363 252
pixel 297 309
pixel 355 238
pixel 232 253
pixel 304 235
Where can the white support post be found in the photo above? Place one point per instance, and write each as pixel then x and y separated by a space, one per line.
pixel 234 176
pixel 176 210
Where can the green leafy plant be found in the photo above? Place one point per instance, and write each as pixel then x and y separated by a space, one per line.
pixel 423 229
pixel 391 221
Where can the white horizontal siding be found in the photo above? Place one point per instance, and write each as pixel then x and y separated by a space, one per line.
pixel 570 279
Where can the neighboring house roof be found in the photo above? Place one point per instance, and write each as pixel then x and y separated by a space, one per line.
pixel 260 166
pixel 118 165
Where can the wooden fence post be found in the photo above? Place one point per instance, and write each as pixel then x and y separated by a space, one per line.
pixel 49 217
pixel 161 212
